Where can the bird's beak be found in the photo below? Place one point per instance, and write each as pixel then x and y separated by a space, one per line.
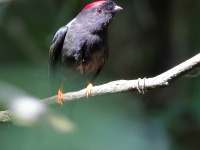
pixel 117 8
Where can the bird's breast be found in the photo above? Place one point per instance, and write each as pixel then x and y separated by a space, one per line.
pixel 86 52
pixel 93 62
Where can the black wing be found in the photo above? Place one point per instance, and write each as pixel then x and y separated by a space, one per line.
pixel 56 48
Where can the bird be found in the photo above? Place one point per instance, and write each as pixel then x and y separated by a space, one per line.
pixel 80 48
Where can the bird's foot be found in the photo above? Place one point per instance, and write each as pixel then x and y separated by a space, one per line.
pixel 89 89
pixel 60 96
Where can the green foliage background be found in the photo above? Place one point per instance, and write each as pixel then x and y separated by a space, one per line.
pixel 147 38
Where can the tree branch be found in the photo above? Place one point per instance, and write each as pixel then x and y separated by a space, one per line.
pixel 140 85
pixel 5 116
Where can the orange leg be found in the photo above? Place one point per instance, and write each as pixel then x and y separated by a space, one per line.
pixel 89 89
pixel 60 95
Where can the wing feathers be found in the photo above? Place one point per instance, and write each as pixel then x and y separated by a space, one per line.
pixel 56 48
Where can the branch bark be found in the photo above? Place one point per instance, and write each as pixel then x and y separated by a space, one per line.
pixel 140 85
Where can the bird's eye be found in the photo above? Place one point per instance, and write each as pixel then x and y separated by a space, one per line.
pixel 99 10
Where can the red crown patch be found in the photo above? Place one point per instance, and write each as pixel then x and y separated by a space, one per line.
pixel 93 4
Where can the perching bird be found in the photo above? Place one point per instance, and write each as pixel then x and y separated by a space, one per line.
pixel 81 46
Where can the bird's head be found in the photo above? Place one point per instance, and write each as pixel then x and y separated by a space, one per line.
pixel 98 14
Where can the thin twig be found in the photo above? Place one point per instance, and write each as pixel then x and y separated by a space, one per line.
pixel 140 85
